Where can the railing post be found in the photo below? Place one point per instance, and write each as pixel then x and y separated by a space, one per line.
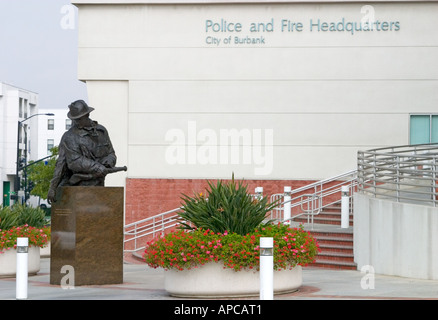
pixel 135 237
pixel 345 207
pixel 375 175
pixel 259 193
pixel 398 178
pixel 434 182
pixel 287 204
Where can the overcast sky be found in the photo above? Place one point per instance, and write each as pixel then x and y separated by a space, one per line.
pixel 39 50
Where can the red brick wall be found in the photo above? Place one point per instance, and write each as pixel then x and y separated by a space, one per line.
pixel 148 197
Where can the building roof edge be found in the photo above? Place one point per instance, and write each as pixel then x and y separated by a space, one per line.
pixel 80 2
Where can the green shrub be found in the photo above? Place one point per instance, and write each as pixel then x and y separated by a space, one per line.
pixel 8 218
pixel 34 217
pixel 20 215
pixel 227 207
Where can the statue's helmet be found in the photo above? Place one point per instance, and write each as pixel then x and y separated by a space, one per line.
pixel 78 109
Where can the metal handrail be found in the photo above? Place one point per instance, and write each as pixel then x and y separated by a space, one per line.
pixel 403 173
pixel 150 226
pixel 319 195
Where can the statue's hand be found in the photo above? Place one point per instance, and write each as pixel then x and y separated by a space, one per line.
pixel 108 162
pixel 51 196
pixel 99 170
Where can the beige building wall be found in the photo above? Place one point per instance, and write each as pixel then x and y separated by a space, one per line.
pixel 172 85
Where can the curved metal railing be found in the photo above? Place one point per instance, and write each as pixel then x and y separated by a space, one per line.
pixel 403 173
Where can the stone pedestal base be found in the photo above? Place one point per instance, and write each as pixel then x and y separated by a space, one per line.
pixel 87 236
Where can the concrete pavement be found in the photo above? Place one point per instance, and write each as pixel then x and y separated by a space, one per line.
pixel 144 283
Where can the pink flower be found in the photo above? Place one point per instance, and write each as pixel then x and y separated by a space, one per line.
pixel 225 233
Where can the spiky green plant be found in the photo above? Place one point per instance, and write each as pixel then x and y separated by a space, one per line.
pixel 32 216
pixel 20 215
pixel 8 218
pixel 226 206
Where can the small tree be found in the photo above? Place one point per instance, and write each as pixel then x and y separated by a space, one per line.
pixel 41 174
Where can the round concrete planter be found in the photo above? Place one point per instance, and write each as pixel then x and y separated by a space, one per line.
pixel 213 281
pixel 45 252
pixel 8 262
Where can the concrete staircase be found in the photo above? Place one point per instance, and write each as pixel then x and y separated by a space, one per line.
pixel 336 244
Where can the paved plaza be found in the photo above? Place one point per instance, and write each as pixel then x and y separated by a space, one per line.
pixel 144 283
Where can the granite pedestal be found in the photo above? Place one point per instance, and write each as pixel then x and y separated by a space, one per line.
pixel 87 236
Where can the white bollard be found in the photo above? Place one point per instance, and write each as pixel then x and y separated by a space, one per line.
pixel 345 207
pixel 287 205
pixel 22 268
pixel 259 193
pixel 266 268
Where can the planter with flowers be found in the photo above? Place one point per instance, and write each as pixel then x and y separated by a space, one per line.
pixel 215 252
pixel 45 250
pixel 13 225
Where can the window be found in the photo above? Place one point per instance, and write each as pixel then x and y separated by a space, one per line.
pixel 67 124
pixel 25 107
pixel 50 145
pixel 22 108
pixel 50 124
pixel 423 128
pixel 20 133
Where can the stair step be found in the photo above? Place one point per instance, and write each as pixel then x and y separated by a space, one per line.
pixel 332 214
pixel 335 241
pixel 334 264
pixel 332 209
pixel 335 257
pixel 332 235
pixel 338 233
pixel 336 248
pixel 323 220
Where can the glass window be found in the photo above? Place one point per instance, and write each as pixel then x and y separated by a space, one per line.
pixel 434 129
pixel 20 107
pixel 50 145
pixel 25 107
pixel 50 124
pixel 423 129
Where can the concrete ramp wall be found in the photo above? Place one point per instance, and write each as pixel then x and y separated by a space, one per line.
pixel 394 238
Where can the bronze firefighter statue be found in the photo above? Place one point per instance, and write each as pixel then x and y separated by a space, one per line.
pixel 86 154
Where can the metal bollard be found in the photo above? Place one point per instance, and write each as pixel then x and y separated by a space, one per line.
pixel 266 268
pixel 22 268
pixel 345 207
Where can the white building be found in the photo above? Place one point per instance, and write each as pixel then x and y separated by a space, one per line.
pixel 282 93
pixel 51 129
pixel 272 91
pixel 16 105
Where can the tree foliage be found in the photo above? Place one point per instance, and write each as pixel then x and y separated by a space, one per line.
pixel 41 173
